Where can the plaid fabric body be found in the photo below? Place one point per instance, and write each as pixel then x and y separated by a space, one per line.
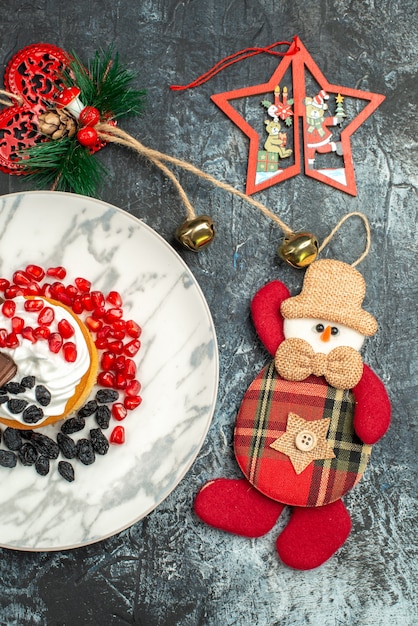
pixel 262 418
pixel 267 161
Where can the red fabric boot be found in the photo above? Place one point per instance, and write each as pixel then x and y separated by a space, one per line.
pixel 313 535
pixel 235 506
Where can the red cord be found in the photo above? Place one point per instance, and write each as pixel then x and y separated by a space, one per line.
pixel 234 58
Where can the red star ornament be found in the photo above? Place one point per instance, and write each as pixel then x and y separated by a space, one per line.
pixel 309 110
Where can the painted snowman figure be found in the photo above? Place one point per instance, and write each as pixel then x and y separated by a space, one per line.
pixel 307 423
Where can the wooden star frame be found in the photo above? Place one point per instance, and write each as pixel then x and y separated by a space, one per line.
pixel 300 64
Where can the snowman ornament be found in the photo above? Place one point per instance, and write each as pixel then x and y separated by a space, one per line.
pixel 307 423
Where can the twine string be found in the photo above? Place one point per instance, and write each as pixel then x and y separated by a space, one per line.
pixel 11 97
pixel 113 134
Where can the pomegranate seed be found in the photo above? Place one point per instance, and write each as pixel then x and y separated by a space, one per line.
pixel 4 283
pixel 117 435
pixel 13 291
pixel 33 305
pixel 46 316
pixel 130 368
pixel 70 352
pixel 3 337
pixel 101 343
pixel 92 324
pixel 132 347
pixel 115 346
pixel 72 292
pixel 133 388
pixel 98 298
pixel 46 290
pixel 106 379
pixel 64 298
pixel 120 381
pixel 21 278
pixel 133 329
pixel 83 284
pixel 119 326
pixel 113 315
pixel 12 341
pixel 113 297
pixel 8 308
pixel 98 312
pixel 117 334
pixel 87 303
pixel 55 342
pixel 42 332
pixel 29 334
pixel 131 402
pixel 18 323
pixel 65 329
pixel 104 332
pixel 119 412
pixel 77 306
pixel 119 364
pixel 57 272
pixel 107 361
pixel 33 289
pixel 56 289
pixel 35 272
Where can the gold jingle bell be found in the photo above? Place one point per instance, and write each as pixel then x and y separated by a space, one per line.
pixel 196 233
pixel 299 249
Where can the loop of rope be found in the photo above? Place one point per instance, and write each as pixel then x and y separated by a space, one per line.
pixel 113 134
pixel 11 96
pixel 235 58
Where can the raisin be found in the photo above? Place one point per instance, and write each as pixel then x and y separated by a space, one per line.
pixel 32 414
pixel 66 470
pixel 85 452
pixel 46 446
pixel 16 406
pixel 67 446
pixel 12 438
pixel 103 415
pixel 107 396
pixel 88 409
pixel 7 459
pixel 28 382
pixel 73 425
pixel 42 395
pixel 27 454
pixel 14 388
pixel 42 465
pixel 3 398
pixel 99 442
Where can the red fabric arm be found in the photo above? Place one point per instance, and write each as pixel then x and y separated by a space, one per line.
pixel 372 413
pixel 265 311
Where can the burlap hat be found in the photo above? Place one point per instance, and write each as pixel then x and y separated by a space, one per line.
pixel 332 291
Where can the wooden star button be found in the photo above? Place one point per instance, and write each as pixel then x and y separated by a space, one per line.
pixel 304 441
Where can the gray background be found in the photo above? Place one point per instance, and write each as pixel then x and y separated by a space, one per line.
pixel 169 568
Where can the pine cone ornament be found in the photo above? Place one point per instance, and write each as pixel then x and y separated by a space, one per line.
pixel 57 123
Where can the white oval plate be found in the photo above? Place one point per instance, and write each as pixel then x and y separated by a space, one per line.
pixel 177 366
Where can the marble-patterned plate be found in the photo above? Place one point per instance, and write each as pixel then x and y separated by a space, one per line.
pixel 177 365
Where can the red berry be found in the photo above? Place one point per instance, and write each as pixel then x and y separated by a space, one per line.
pixel 18 324
pixel 12 341
pixel 46 316
pixel 34 305
pixel 97 298
pixel 132 347
pixel 133 388
pixel 117 435
pixel 130 368
pixel 65 329
pixel 133 329
pixel 113 297
pixel 119 412
pixel 21 278
pixel 57 272
pixel 83 284
pixel 70 351
pixel 120 381
pixel 131 402
pixel 42 332
pixel 113 315
pixel 13 291
pixel 106 379
pixel 29 334
pixel 55 342
pixel 8 308
pixel 89 116
pixel 4 283
pixel 35 272
pixel 107 361
pixel 87 136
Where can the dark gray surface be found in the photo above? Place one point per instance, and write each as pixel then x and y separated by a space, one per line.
pixel 170 569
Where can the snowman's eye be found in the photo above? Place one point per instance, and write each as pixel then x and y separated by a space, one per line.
pixel 319 328
pixel 334 330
